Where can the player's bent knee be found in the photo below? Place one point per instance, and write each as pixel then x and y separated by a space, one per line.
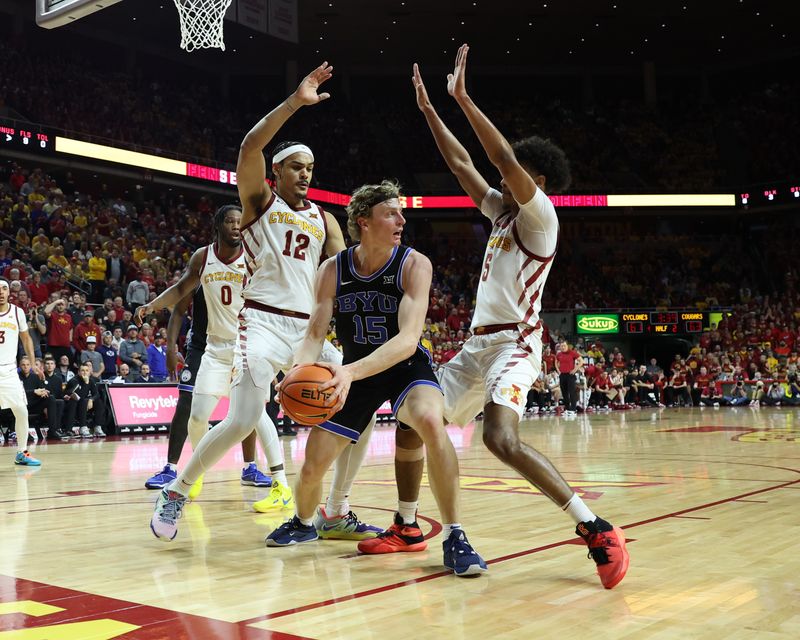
pixel 503 443
pixel 407 439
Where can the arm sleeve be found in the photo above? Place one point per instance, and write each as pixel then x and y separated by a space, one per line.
pixel 492 204
pixel 537 224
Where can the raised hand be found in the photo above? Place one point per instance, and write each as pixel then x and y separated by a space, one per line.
pixel 141 312
pixel 455 81
pixel 306 92
pixel 423 102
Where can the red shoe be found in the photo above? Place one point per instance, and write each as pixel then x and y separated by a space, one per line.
pixel 607 548
pixel 398 537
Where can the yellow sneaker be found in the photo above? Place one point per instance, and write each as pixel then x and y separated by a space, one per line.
pixel 280 497
pixel 197 487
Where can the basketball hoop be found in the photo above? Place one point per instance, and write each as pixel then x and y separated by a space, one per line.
pixel 202 23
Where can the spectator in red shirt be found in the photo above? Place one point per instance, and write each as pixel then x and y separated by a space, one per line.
pixel 59 329
pixel 701 381
pixel 677 389
pixel 548 360
pixel 39 291
pixel 567 360
pixel 453 321
pixel 87 327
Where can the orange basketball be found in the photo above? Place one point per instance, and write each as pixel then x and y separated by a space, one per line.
pixel 300 396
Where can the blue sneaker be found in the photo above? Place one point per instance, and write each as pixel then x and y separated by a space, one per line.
pixel 161 479
pixel 460 556
pixel 167 512
pixel 291 532
pixel 252 477
pixel 26 460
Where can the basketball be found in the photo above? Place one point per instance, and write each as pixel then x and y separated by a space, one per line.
pixel 300 396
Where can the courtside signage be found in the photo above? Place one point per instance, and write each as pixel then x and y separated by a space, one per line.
pixel 597 323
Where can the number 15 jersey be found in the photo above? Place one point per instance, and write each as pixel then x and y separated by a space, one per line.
pixel 282 248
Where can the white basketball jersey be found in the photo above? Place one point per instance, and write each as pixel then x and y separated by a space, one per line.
pixel 12 323
pixel 517 261
pixel 222 288
pixel 283 248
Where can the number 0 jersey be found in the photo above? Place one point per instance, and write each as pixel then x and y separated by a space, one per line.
pixel 367 306
pixel 12 323
pixel 222 283
pixel 283 247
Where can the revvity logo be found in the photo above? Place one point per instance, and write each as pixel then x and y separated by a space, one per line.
pixel 608 323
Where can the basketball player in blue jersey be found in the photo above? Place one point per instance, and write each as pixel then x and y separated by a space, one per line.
pixel 284 236
pixel 500 362
pixel 380 290
pixel 213 280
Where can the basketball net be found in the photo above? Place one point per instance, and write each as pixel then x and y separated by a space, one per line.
pixel 202 23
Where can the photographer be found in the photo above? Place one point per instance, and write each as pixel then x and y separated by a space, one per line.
pixel 775 394
pixel 793 390
pixel 738 396
pixel 36 328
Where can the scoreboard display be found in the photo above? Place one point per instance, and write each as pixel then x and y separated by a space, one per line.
pixel 646 323
pixel 15 135
pixel 664 322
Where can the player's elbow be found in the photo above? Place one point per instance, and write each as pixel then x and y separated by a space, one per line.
pixel 248 146
pixel 503 158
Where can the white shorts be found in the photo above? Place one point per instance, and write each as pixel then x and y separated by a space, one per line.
pixel 216 368
pixel 12 393
pixel 500 367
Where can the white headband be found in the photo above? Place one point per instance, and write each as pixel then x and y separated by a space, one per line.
pixel 295 148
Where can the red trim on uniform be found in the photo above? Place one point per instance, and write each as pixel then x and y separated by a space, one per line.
pixel 252 304
pixel 530 253
pixel 485 330
pixel 531 280
pixel 247 249
pixel 205 259
pixel 531 304
pixel 226 262
pixel 258 215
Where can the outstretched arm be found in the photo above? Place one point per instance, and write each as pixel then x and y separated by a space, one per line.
pixel 497 148
pixel 453 152
pixel 188 282
pixel 251 169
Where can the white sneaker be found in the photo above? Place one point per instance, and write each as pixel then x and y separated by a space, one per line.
pixel 85 433
pixel 98 432
pixel 168 509
pixel 2 439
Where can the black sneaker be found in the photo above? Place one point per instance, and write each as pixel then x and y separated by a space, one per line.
pixel 288 431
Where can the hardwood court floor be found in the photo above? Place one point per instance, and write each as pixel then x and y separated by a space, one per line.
pixel 708 499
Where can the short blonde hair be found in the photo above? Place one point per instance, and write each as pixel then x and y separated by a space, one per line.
pixel 362 201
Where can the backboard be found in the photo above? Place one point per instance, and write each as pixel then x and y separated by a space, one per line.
pixel 56 13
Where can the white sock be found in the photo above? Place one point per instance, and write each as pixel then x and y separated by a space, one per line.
pixel 407 511
pixel 337 503
pixel 306 521
pixel 172 466
pixel 179 486
pixel 247 463
pixel 447 529
pixel 578 510
pixel 280 476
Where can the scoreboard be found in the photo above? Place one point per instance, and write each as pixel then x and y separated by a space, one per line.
pixel 645 323
pixel 664 322
pixel 26 138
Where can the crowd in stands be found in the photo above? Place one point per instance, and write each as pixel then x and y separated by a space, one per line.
pixel 683 145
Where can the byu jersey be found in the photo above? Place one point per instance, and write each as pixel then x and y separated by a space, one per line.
pixel 222 284
pixel 12 323
pixel 517 261
pixel 283 247
pixel 367 306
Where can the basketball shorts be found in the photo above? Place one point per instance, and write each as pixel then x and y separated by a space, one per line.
pixel 12 393
pixel 266 345
pixel 191 365
pixel 216 368
pixel 366 396
pixel 498 367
